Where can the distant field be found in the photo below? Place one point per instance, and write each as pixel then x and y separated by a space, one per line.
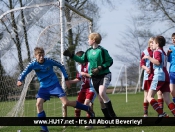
pixel 133 108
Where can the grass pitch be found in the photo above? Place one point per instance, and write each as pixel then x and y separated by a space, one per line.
pixel 132 108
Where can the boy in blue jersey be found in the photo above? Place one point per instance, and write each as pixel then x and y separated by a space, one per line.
pixel 171 60
pixel 49 83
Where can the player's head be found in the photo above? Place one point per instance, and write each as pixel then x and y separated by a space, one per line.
pixel 173 38
pixel 159 42
pixel 94 38
pixel 150 42
pixel 80 53
pixel 39 54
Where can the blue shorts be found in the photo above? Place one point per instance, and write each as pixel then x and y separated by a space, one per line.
pixel 172 77
pixel 54 90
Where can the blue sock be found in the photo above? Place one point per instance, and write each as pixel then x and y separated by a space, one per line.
pixel 81 106
pixel 173 99
pixel 43 114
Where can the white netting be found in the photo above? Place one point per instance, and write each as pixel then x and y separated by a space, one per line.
pixel 128 79
pixel 41 28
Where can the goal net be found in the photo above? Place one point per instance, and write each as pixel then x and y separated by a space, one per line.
pixel 38 23
pixel 128 79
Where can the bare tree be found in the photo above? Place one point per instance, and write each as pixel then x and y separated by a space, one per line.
pixel 151 12
pixel 154 11
pixel 16 39
pixel 14 28
pixel 75 38
pixel 135 40
pixel 132 74
pixel 25 32
pixel 79 37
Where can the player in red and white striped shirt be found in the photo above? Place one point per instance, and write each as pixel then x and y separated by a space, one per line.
pixel 87 93
pixel 148 76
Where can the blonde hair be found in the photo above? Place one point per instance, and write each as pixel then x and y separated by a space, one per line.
pixel 38 50
pixel 96 37
pixel 150 40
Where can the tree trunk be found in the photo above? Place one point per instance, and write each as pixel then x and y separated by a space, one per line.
pixel 17 42
pixel 25 32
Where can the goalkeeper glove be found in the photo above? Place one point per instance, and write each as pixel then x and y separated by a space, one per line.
pixel 96 70
pixel 68 53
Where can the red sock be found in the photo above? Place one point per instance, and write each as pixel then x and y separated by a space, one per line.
pixel 77 113
pixel 171 106
pixel 155 106
pixel 145 108
pixel 160 102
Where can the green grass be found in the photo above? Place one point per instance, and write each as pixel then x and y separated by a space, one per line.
pixel 5 110
pixel 133 108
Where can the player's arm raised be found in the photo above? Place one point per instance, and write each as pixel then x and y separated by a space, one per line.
pixel 79 59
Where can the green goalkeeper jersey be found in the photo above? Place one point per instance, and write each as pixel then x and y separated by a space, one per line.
pixel 96 57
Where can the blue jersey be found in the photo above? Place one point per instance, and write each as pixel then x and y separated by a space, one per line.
pixel 171 59
pixel 44 72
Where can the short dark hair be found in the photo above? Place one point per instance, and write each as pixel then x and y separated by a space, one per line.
pixel 173 35
pixel 80 53
pixel 160 40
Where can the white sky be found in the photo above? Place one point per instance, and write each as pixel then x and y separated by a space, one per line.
pixel 113 22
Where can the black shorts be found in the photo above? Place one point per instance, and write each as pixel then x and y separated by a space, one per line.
pixel 101 80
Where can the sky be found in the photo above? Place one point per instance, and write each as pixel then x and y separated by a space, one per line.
pixel 113 23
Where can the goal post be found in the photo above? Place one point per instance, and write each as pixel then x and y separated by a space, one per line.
pixel 47 26
pixel 125 78
pixel 139 87
pixel 128 79
pixel 63 3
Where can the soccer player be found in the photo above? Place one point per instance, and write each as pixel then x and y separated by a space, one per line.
pixel 148 76
pixel 49 83
pixel 161 78
pixel 87 92
pixel 171 60
pixel 100 61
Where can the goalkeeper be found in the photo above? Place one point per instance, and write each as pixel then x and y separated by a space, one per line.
pixel 49 83
pixel 100 61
